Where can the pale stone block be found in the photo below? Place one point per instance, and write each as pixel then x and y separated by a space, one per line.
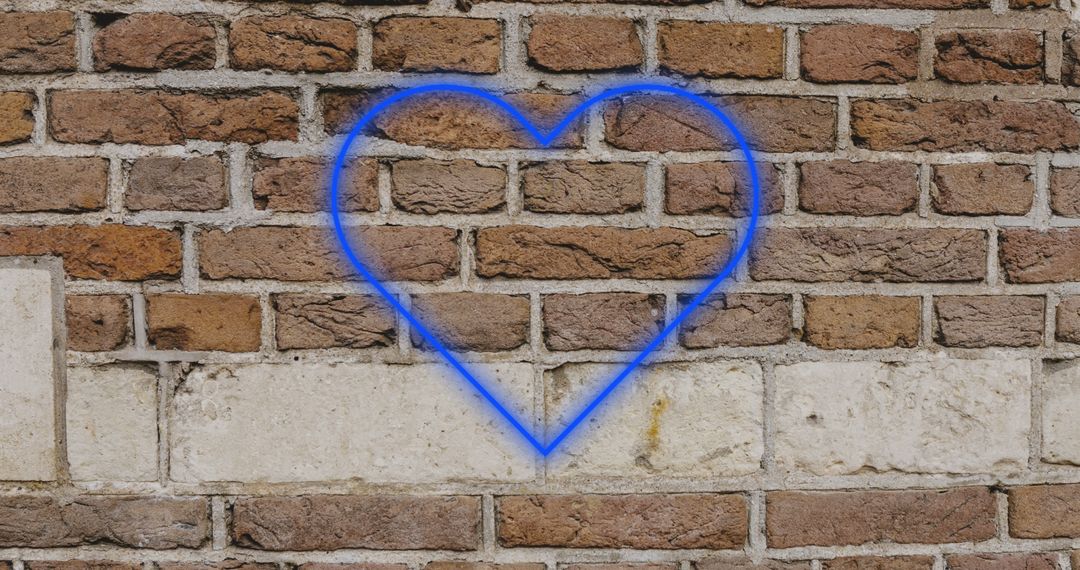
pixel 371 422
pixel 1060 419
pixel 691 419
pixel 941 416
pixel 112 424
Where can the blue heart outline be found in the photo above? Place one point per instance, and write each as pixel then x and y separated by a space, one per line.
pixel 545 140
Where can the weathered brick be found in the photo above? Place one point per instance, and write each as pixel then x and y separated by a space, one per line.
pixel 1068 320
pixel 173 183
pixel 874 563
pixel 716 50
pixel 483 322
pixel 1029 4
pixel 1065 191
pixel 580 187
pixel 53 184
pixel 691 520
pixel 858 188
pixel 1060 395
pixel 374 522
pixel 165 117
pixel 989 56
pixel 461 565
pixel 859 53
pixel 598 253
pixel 737 319
pixel 426 44
pixel 1018 561
pixel 332 321
pixel 1044 511
pixel 717 188
pixel 583 43
pixel 982 189
pixel 301 184
pixel 154 41
pixel 229 564
pixel 796 518
pixel 80 565
pixel 602 321
pixel 16 117
pixel 982 320
pixel 424 186
pixel 37 42
pixel 862 322
pixel 113 252
pixel 293 42
pixel 98 322
pixel 112 423
pixel 868 255
pixel 356 566
pixel 746 564
pixel 231 323
pixel 903 4
pixel 1033 256
pixel 1070 65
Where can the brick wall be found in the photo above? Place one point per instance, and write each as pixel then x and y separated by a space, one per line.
pixel 197 381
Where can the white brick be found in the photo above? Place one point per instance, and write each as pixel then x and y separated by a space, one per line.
pixel 112 424
pixel 675 419
pixel 1060 425
pixel 372 422
pixel 942 416
pixel 27 409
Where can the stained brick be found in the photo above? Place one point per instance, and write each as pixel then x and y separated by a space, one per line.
pixel 230 323
pixel 862 322
pixel 16 117
pixel 98 322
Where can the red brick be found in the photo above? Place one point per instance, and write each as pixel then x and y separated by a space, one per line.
pixel 231 323
pixel 858 188
pixel 874 563
pixel 862 321
pixel 1033 256
pixel 1019 561
pixel 583 43
pixel 302 184
pixel 483 322
pixel 16 117
pixel 982 189
pixel 989 56
pixel 37 42
pixel 333 321
pixel 407 43
pixel 424 186
pixel 715 50
pixel 113 252
pixel 293 42
pixel 1044 511
pixel 602 321
pixel 737 319
pixel 979 321
pixel 1065 191
pixel 902 4
pixel 153 42
pixel 859 54
pixel 718 188
pixel 580 187
pixel 98 322
pixel 1068 320
pixel 53 184
pixel 173 183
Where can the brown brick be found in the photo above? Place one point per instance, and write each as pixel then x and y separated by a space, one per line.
pixel 1044 511
pixel 37 42
pixel 424 186
pixel 859 54
pixel 874 563
pixel 796 518
pixel 80 565
pixel 1033 256
pixel 1070 65
pixel 461 565
pixel 53 184
pixel 673 521
pixel 1019 561
pixel 113 252
pixel 301 184
pixel 1029 4
pixel 231 323
pixel 858 188
pixel 98 322
pixel 903 4
pixel 737 319
pixel 602 321
pixel 580 187
pixel 989 56
pixel 862 322
pixel 352 566
pixel 312 254
pixel 374 522
pixel 408 43
pixel 16 117
pixel 333 321
pixel 152 42
pixel 156 523
pixel 222 565
pixel 293 42
pixel 173 183
pixel 620 566
pixel 1065 191
pixel 598 253
pixel 717 188
pixel 869 255
pixel 959 126
pixel 165 117
pixel 746 564
pixel 715 50
pixel 484 322
pixel 1068 320
pixel 662 123
pixel 982 320
pixel 583 43
pixel 982 189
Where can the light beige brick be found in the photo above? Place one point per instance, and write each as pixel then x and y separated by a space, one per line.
pixel 1060 400
pixel 112 423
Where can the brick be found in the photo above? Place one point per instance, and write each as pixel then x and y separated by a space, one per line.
pixel 859 54
pixel 355 566
pixel 874 563
pixel 173 183
pixel 426 44
pixel 598 253
pixel 333 321
pixel 858 188
pixel 1044 511
pixel 1070 65
pixel 301 184
pixel 53 184
pixel 862 322
pixel 424 186
pixel 580 187
pixel 154 42
pixel 98 322
pixel 484 322
pixel 1068 320
pixel 1029 4
pixel 719 50
pixel 1019 561
pixel 1065 191
pixel 960 126
pixel 796 518
pixel 80 565
pixel 16 117
pixel 222 565
pixel 903 4
pixel 231 323
pixel 113 252
pixel 374 522
pixel 982 189
pixel 602 321
pixel 737 319
pixel 982 320
pixel 583 43
pixel 989 56
pixel 869 255
pixel 1033 256
pixel 664 522
pixel 1059 399
pixel 293 42
pixel 311 254
pixel 156 523
pixel 746 564
pixel 461 565
pixel 164 117
pixel 662 123
pixel 717 188
pixel 860 418
pixel 112 429
pixel 37 42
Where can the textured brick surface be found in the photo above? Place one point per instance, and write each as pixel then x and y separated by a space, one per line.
pixel 33 184
pixel 293 43
pixel 614 321
pixel 437 44
pixel 98 322
pixel 113 252
pixel 560 43
pixel 989 56
pixel 153 42
pixel 720 188
pixel 860 53
pixel 1065 191
pixel 982 189
pixel 474 321
pixel 204 322
pixel 717 50
pixel 17 113
pixel 300 184
pixel 177 184
pixel 862 322
pixel 1044 511
pixel 858 188
pixel 328 321
pixel 981 321
pixel 37 42
pixel 737 319
pixel 1032 256
pixel 578 187
pixel 460 186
